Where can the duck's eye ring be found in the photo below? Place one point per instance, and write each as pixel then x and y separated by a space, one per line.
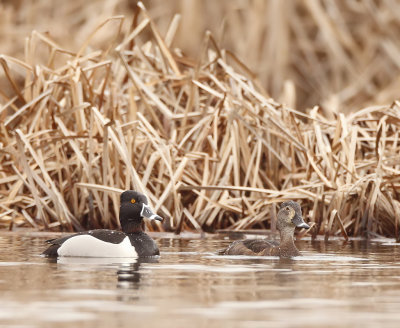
pixel 133 200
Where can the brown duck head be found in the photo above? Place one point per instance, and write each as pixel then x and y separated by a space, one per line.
pixel 290 217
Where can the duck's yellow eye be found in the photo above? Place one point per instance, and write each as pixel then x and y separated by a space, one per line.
pixel 133 201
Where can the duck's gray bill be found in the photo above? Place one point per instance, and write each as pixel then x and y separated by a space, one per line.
pixel 303 225
pixel 148 213
pixel 299 222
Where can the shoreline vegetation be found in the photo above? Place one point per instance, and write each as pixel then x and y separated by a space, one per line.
pixel 200 138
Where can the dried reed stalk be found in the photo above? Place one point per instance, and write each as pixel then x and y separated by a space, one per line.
pixel 199 138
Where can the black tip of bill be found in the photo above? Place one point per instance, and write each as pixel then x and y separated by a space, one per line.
pixel 158 218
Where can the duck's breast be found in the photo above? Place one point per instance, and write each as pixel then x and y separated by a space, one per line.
pixel 145 245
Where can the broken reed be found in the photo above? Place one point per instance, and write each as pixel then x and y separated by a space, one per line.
pixel 206 146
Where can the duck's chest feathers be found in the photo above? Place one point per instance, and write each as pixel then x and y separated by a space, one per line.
pixel 285 250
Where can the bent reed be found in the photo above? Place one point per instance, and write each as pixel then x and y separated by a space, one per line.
pixel 200 138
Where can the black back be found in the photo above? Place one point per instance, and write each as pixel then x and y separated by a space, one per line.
pixel 110 236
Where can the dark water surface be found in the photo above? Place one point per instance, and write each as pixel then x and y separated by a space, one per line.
pixel 335 284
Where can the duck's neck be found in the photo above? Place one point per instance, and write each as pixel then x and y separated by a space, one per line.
pixel 287 237
pixel 132 226
pixel 287 248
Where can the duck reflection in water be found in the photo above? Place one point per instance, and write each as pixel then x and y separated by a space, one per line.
pixel 129 274
pixel 127 270
pixel 129 279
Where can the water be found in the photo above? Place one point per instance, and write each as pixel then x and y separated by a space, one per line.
pixel 335 284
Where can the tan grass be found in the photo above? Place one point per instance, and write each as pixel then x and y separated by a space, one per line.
pixel 200 138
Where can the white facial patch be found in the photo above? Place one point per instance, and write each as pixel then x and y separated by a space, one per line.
pixel 89 246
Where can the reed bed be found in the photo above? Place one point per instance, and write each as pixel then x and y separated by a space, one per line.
pixel 199 137
pixel 340 54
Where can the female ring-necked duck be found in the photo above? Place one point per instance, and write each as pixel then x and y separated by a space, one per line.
pixel 289 217
pixel 132 241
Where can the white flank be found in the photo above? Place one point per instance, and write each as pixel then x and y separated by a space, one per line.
pixel 89 246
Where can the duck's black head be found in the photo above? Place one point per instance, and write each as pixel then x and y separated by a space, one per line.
pixel 132 210
pixel 289 216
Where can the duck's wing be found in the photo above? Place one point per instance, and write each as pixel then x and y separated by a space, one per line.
pixel 258 245
pixel 247 247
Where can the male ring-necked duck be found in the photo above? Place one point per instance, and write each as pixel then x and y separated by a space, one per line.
pixel 289 217
pixel 132 241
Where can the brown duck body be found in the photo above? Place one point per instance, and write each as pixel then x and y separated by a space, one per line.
pixel 289 217
pixel 262 247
